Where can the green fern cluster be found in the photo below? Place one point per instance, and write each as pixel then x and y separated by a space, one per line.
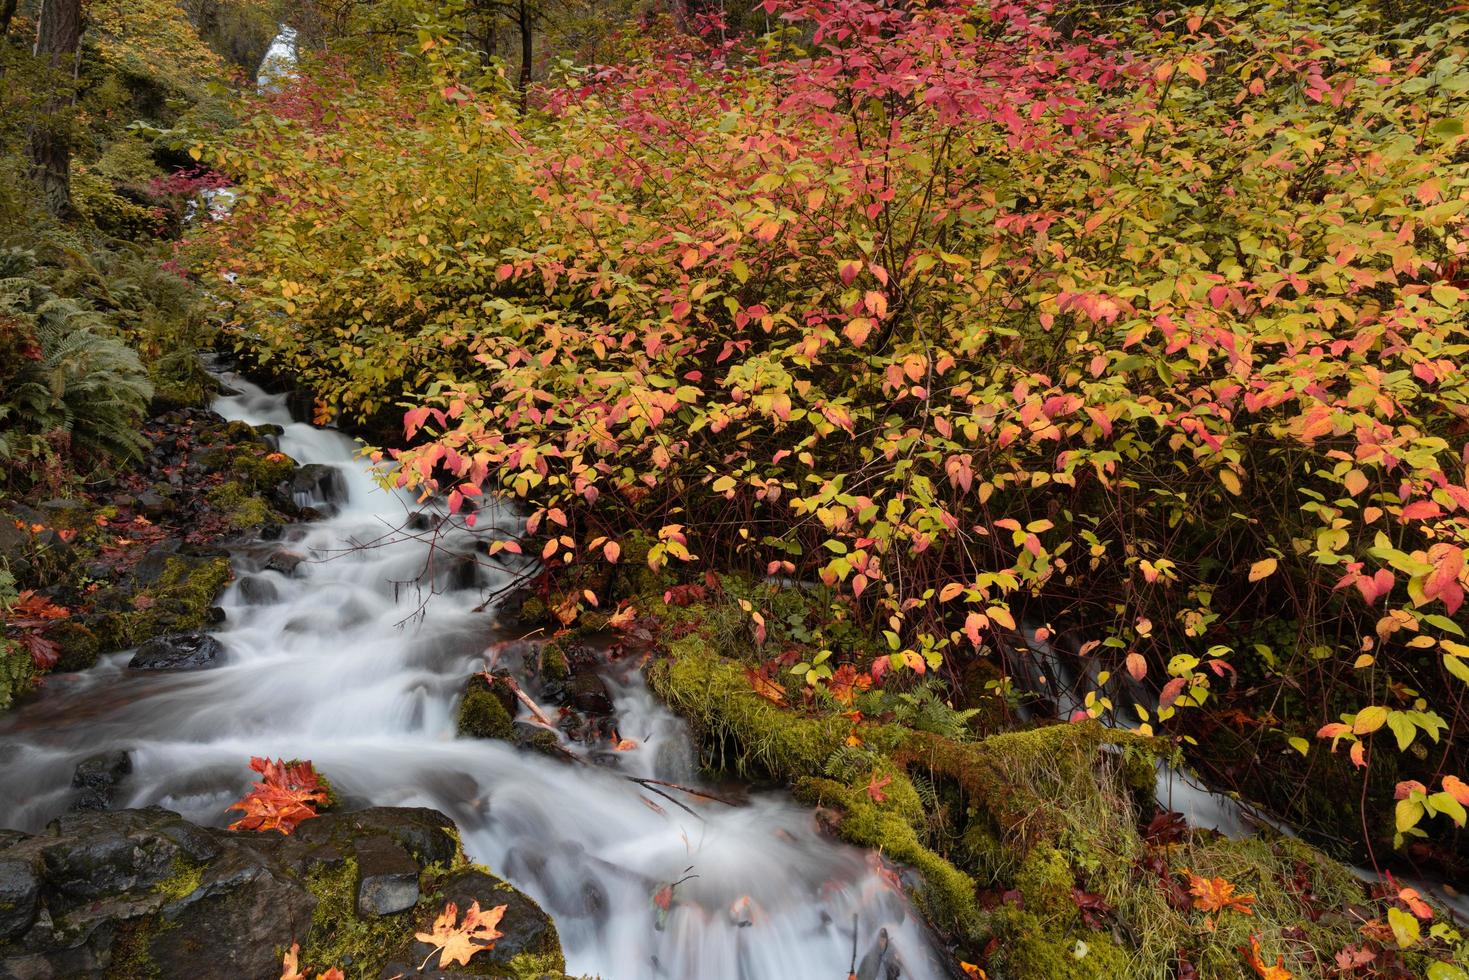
pixel 67 378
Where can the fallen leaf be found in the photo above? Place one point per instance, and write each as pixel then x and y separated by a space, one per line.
pixel 1217 895
pixel 875 787
pixel 1276 972
pixel 287 794
pixel 765 687
pixel 456 944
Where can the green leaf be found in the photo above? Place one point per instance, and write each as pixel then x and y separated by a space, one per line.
pixel 723 483
pixel 1449 127
pixel 1457 667
pixel 1402 726
pixel 1440 970
pixel 1301 745
pixel 1446 804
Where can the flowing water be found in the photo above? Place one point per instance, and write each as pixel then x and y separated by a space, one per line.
pixel 350 663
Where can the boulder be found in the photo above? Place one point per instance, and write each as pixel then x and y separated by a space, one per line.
pixel 528 933
pixel 177 651
pixel 588 692
pixel 284 561
pixel 97 777
pixel 145 893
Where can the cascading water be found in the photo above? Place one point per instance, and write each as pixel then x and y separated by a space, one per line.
pixel 334 664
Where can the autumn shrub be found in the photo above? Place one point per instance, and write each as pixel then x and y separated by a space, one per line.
pixel 1146 329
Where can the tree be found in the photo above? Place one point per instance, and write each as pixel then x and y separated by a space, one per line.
pixel 57 35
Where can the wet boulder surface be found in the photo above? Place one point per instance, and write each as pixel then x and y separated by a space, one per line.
pixel 145 893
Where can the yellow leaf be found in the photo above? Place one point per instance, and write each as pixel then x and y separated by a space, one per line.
pixel 1369 720
pixel 1231 482
pixel 1264 568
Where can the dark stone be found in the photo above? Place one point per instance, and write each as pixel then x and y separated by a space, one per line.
pixel 154 505
pixel 257 591
pixel 387 878
pixel 588 692
pixel 214 615
pixel 271 532
pixel 145 893
pixel 285 562
pixel 422 520
pixel 20 892
pixel 427 835
pixel 527 929
pixel 177 651
pixel 97 777
pixel 317 482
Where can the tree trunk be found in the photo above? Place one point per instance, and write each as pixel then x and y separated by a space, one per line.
pixel 58 32
pixel 526 55
pixel 7 12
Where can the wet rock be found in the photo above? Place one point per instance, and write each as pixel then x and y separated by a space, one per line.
pixel 257 591
pixel 483 712
pixel 315 483
pixel 285 562
pixel 20 894
pixel 271 532
pixel 533 737
pixel 177 651
pixel 528 931
pixel 145 893
pixel 588 692
pixel 422 520
pixel 387 878
pixel 97 777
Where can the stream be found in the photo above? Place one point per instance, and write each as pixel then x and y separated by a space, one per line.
pixel 351 662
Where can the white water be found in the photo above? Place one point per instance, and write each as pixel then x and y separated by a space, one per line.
pixel 279 62
pixel 326 672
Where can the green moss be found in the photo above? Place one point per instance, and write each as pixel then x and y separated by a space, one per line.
pixel 261 470
pixel 481 715
pixel 534 966
pixel 132 956
pixel 1029 948
pixel 185 880
pixel 948 894
pixel 553 662
pixel 360 947
pixel 17 673
pixel 742 731
pixel 179 601
pixel 1045 881
pixel 241 508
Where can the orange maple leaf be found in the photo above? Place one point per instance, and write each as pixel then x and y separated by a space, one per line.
pixel 970 970
pixel 1267 972
pixel 875 786
pixel 1217 895
pixel 286 795
pixel 765 687
pixel 456 944
pixel 846 682
pixel 291 970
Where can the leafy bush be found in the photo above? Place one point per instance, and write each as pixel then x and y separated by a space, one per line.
pixel 1145 325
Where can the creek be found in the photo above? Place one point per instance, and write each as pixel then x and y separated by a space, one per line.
pixel 356 660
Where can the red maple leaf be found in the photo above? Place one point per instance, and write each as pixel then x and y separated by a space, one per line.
pixel 287 794
pixel 875 787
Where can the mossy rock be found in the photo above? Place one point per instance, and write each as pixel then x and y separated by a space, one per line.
pixel 77 646
pixel 482 715
pixel 553 662
pixel 177 601
pixel 241 508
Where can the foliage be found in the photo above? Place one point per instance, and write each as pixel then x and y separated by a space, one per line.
pixel 69 381
pixel 1145 326
pixel 286 794
pixel 457 943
